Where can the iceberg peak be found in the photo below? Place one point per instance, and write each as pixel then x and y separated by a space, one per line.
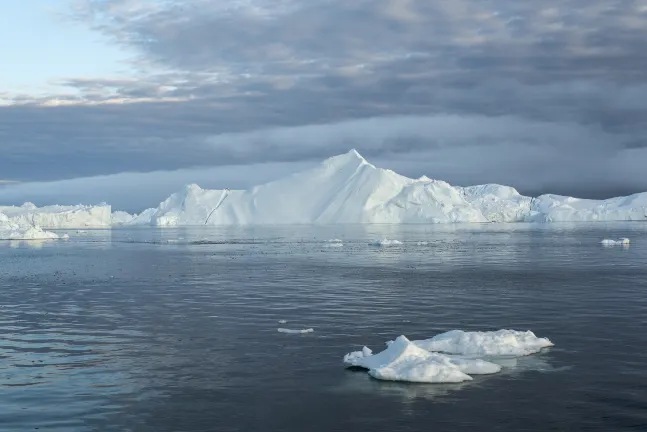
pixel 350 158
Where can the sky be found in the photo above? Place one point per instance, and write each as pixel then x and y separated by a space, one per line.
pixel 546 96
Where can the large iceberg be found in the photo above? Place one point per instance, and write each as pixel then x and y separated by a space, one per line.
pixel 57 217
pixel 449 357
pixel 348 189
pixel 344 189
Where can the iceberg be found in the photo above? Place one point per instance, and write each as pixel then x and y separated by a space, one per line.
pixel 493 343
pixel 344 189
pixel 347 189
pixel 403 360
pixel 449 357
pixel 57 217
pixel 18 229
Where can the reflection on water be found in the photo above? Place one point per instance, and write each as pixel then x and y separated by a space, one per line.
pixel 175 329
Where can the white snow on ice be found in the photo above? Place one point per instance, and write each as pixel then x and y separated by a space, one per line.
pixel 622 241
pixel 343 189
pixel 19 229
pixel 431 360
pixel 283 321
pixel 290 331
pixel 77 216
pixel 385 242
pixel 348 189
pixel 403 360
pixel 492 343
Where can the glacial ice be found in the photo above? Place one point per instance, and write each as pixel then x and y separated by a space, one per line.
pixel 19 229
pixel 344 189
pixel 291 331
pixel 385 242
pixel 622 241
pixel 435 360
pixel 334 243
pixel 491 343
pixel 56 216
pixel 403 360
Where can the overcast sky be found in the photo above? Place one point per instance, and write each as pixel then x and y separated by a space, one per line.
pixel 547 96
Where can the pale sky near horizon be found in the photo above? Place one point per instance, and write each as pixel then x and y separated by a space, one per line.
pixel 43 45
pixel 544 96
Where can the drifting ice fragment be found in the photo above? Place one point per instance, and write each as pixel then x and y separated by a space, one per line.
pixel 622 241
pixel 385 242
pixel 290 331
pixel 493 343
pixel 419 361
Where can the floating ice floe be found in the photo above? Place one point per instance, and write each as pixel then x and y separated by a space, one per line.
pixel 492 343
pixel 334 243
pixel 385 242
pixel 405 361
pixel 622 241
pixel 283 321
pixel 435 361
pixel 290 331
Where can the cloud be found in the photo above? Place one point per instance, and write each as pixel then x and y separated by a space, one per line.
pixel 135 192
pixel 493 89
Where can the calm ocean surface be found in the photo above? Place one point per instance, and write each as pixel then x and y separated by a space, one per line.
pixel 176 329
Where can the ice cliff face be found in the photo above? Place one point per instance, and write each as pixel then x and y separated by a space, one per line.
pixel 348 189
pixel 79 216
pixel 11 229
pixel 343 189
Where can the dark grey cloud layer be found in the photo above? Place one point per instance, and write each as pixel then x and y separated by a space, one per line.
pixel 544 95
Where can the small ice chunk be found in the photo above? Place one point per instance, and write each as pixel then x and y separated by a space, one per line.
pixel 385 242
pixel 334 243
pixel 622 241
pixel 422 243
pixel 404 361
pixel 290 331
pixel 81 231
pixel 283 321
pixel 493 343
pixel 65 236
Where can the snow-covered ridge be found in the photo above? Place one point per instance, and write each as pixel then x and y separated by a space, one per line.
pixel 344 189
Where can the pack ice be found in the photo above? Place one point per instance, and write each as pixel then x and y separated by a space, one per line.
pixel 348 189
pixel 446 358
